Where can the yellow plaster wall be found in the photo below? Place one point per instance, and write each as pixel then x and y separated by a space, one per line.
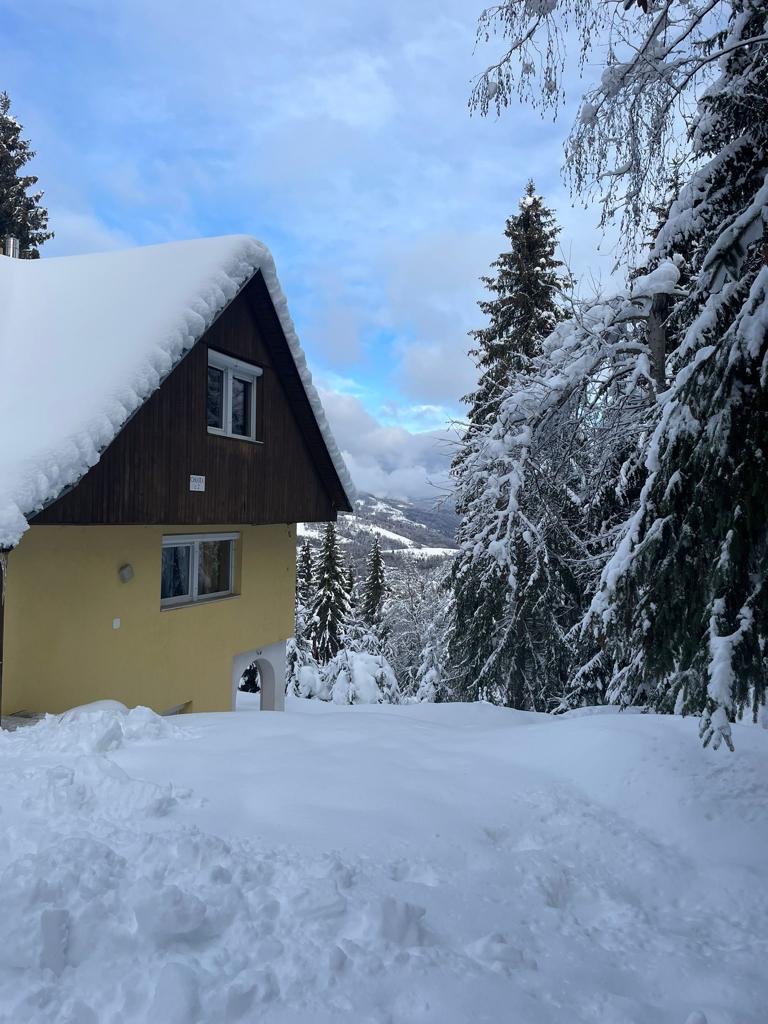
pixel 63 593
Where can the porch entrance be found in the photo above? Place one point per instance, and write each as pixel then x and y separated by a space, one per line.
pixel 270 662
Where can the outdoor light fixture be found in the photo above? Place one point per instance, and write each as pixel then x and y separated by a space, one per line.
pixel 125 572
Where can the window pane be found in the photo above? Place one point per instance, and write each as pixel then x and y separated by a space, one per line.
pixel 174 576
pixel 242 391
pixel 213 567
pixel 215 402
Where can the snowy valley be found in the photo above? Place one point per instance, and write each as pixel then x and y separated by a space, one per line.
pixel 415 530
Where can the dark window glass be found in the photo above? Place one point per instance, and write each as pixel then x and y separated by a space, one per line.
pixel 242 390
pixel 215 402
pixel 213 567
pixel 174 576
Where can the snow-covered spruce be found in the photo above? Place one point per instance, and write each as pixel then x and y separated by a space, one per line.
pixel 330 608
pixel 21 214
pixel 336 654
pixel 359 677
pixel 305 577
pixel 526 295
pixel 684 596
pixel 374 585
pixel 512 604
pixel 301 671
pixel 416 618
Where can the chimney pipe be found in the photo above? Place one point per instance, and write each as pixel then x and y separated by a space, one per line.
pixel 11 246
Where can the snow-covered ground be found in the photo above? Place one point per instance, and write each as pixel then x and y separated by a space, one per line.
pixel 398 865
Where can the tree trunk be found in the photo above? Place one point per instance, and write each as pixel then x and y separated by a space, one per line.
pixel 657 339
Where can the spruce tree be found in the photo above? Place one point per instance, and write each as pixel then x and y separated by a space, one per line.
pixel 429 674
pixel 508 590
pixel 386 680
pixel 298 652
pixel 21 214
pixel 305 576
pixel 357 634
pixel 680 614
pixel 374 585
pixel 302 678
pixel 523 307
pixel 352 588
pixel 330 607
pixel 414 611
pixel 684 598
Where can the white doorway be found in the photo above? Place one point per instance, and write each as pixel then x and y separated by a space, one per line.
pixel 270 662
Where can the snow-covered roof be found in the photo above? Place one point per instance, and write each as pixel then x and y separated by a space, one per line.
pixel 85 340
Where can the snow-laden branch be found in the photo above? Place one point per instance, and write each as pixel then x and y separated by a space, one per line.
pixel 632 122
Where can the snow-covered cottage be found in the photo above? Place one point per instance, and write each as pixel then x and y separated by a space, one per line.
pixel 160 437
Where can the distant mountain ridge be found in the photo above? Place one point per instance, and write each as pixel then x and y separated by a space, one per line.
pixel 421 529
pixel 421 521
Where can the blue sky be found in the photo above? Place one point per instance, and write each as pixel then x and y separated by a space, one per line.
pixel 339 134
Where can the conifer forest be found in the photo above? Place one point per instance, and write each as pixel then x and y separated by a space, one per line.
pixel 610 476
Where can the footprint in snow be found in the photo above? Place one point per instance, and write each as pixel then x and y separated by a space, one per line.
pixel 498 953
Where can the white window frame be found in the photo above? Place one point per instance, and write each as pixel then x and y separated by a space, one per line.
pixel 193 541
pixel 232 368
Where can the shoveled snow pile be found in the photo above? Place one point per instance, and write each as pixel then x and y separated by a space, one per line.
pixel 382 865
pixel 85 340
pixel 93 729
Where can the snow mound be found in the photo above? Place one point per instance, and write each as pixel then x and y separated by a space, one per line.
pixel 603 709
pixel 94 730
pixel 96 705
pixel 153 304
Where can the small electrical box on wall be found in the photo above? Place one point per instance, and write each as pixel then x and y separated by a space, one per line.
pixel 196 483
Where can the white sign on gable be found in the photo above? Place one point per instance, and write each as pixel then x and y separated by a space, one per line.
pixel 196 483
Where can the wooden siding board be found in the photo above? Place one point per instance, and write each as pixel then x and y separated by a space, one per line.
pixel 143 476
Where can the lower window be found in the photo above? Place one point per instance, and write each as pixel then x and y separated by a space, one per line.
pixel 197 567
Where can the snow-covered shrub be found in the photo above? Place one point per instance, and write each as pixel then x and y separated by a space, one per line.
pixel 356 677
pixel 310 683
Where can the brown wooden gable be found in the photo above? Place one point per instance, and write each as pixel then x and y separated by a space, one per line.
pixel 143 476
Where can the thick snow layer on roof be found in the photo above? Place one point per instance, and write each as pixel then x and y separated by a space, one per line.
pixel 85 340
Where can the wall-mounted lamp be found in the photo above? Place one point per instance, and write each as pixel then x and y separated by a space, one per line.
pixel 125 572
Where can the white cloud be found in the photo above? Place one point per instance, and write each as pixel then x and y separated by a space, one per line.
pixel 440 371
pixel 414 417
pixel 350 89
pixel 79 231
pixel 389 461
pixel 339 134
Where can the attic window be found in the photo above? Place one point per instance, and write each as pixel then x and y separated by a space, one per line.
pixel 231 396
